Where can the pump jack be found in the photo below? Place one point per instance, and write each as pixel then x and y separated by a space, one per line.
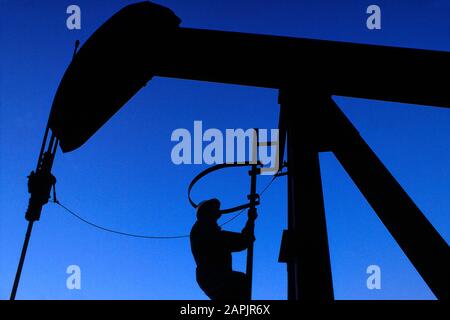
pixel 117 61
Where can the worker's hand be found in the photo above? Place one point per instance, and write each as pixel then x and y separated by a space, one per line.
pixel 252 215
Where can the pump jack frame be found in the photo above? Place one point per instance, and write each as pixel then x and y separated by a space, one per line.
pixel 321 126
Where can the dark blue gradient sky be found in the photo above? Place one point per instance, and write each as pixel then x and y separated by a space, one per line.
pixel 123 177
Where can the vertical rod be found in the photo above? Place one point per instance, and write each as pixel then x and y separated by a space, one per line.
pixel 310 272
pixel 249 269
pixel 44 141
pixel 252 197
pixel 52 147
pixel 21 261
pixel 50 144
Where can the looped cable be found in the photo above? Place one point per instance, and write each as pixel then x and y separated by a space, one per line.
pixel 76 215
pixel 215 168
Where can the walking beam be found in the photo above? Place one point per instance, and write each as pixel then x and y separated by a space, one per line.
pixel 144 40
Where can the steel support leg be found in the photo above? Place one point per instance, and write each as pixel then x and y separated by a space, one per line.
pixel 309 269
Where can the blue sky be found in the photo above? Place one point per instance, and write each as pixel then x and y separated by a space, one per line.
pixel 123 177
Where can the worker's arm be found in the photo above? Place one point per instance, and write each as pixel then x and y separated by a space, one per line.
pixel 235 241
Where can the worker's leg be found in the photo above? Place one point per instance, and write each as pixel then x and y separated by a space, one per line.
pixel 237 287
pixel 213 285
pixel 232 286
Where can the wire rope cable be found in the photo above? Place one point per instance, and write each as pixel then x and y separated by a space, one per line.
pixel 97 226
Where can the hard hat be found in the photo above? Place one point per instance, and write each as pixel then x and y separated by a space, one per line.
pixel 208 207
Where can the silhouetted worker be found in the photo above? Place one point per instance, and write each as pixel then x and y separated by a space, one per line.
pixel 212 248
